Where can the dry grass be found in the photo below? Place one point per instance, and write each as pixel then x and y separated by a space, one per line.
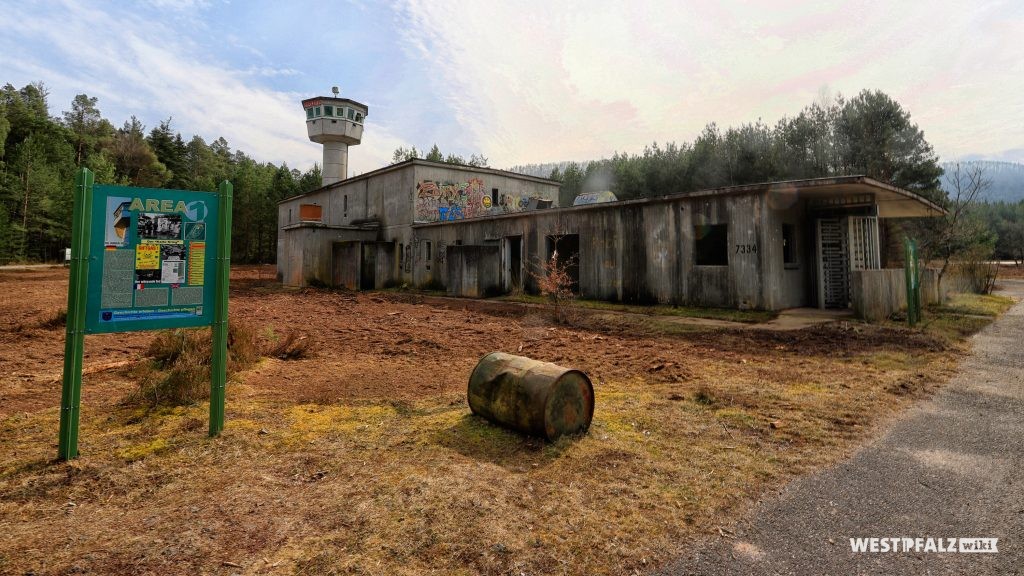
pixel 409 488
pixel 57 319
pixel 311 478
pixel 294 345
pixel 176 369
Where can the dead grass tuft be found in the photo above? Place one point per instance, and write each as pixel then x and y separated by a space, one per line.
pixel 294 345
pixel 177 369
pixel 57 319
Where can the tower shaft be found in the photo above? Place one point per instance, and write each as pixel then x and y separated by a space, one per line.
pixel 335 167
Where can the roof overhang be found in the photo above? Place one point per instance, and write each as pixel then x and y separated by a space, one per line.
pixel 892 201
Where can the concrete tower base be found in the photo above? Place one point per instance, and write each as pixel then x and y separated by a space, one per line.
pixel 335 168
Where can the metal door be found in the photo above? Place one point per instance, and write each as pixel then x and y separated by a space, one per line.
pixel 833 265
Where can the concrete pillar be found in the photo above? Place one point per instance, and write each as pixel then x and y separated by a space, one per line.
pixel 335 168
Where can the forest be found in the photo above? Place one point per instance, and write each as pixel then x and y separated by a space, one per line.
pixel 868 134
pixel 39 154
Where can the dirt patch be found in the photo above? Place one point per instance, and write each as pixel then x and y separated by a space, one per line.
pixel 363 457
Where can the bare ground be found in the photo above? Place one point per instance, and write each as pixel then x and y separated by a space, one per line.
pixel 365 458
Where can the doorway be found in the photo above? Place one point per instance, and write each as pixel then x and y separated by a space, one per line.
pixel 368 266
pixel 568 247
pixel 514 263
pixel 833 264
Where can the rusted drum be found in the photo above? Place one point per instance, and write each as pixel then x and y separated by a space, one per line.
pixel 537 398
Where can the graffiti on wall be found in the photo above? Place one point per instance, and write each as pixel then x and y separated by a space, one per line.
pixel 447 201
pixel 442 201
pixel 442 252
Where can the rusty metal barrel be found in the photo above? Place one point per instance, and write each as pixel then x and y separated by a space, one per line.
pixel 533 397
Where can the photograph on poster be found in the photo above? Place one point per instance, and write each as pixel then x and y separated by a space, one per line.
pixel 115 233
pixel 156 226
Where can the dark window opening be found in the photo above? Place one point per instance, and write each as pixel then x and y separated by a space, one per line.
pixel 711 244
pixel 344 205
pixel 351 113
pixel 427 252
pixel 458 242
pixel 494 196
pixel 328 110
pixel 568 248
pixel 515 262
pixel 309 112
pixel 789 253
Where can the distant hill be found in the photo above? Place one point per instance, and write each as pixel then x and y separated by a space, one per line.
pixel 1007 179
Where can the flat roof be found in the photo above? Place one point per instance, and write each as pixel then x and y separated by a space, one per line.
pixel 318 100
pixel 892 201
pixel 422 162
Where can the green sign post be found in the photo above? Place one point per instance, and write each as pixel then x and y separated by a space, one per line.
pixel 145 259
pixel 913 276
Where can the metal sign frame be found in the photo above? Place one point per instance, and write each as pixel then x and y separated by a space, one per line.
pixel 102 299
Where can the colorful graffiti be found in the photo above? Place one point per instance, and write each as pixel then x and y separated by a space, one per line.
pixel 442 201
pixel 448 201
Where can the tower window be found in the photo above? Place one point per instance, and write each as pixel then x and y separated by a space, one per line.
pixel 328 110
pixel 351 113
pixel 316 111
pixel 309 112
pixel 359 117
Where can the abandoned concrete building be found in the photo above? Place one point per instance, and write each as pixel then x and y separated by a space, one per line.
pixel 477 231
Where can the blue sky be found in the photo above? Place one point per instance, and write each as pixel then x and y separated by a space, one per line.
pixel 529 81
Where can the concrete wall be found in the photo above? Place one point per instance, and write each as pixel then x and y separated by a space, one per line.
pixel 473 271
pixel 359 264
pixel 877 294
pixel 387 197
pixel 640 251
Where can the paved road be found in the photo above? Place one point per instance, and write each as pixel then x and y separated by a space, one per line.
pixel 952 467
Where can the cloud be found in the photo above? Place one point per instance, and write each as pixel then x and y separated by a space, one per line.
pixel 150 70
pixel 564 81
pixel 268 71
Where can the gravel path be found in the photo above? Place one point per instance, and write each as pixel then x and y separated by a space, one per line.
pixel 953 467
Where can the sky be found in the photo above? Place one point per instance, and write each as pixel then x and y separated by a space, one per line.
pixel 526 81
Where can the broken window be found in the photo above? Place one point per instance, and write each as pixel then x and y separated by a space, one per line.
pixel 789 257
pixel 711 244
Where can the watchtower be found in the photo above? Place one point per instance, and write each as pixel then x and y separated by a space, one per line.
pixel 337 123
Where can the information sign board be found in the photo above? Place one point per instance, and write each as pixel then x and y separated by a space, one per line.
pixel 149 261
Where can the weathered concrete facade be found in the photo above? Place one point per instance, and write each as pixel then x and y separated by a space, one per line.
pixel 383 206
pixel 769 246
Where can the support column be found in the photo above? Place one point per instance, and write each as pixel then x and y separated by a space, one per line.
pixel 335 168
